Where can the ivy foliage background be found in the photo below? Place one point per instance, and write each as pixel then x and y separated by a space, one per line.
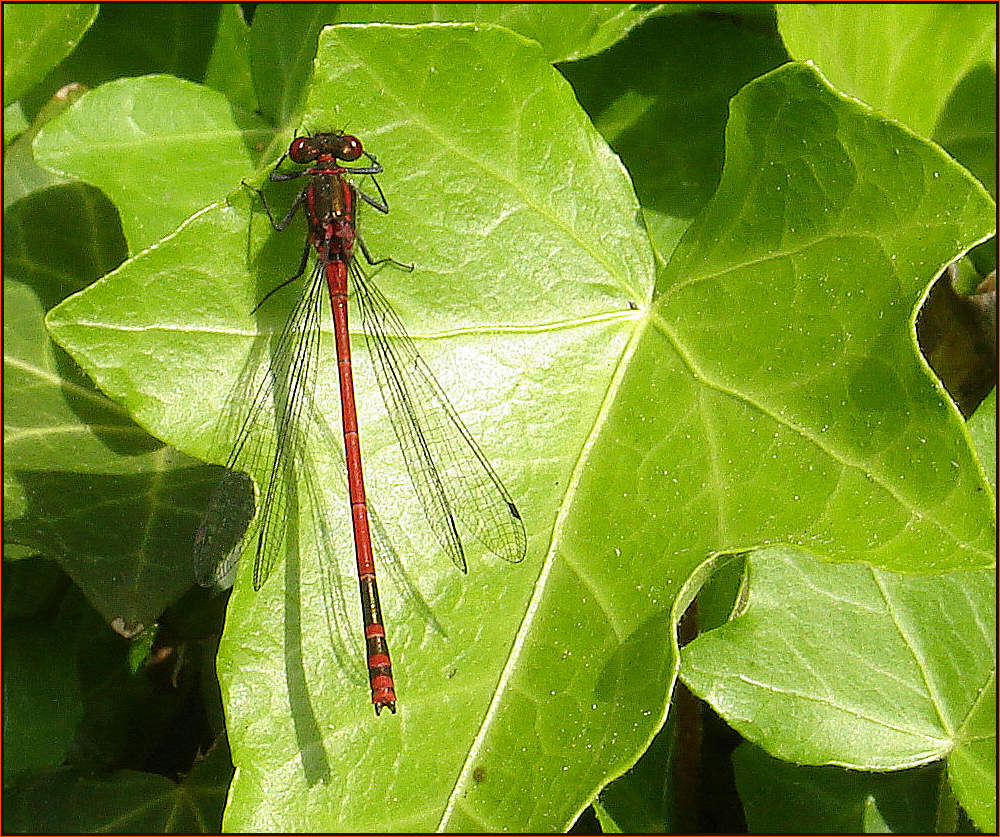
pixel 669 260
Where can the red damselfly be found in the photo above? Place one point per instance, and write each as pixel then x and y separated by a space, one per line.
pixel 451 475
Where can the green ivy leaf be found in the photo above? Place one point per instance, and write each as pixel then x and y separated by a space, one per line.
pixel 82 482
pixel 284 37
pixel 564 33
pixel 22 176
pixel 161 148
pixel 661 99
pixel 932 66
pixel 830 800
pixel 128 40
pixel 631 432
pixel 883 670
pixel 14 123
pixel 645 800
pixel 228 68
pixel 904 60
pixel 983 432
pixel 967 127
pixel 837 424
pixel 70 799
pixel 36 37
pixel 780 796
pixel 42 698
pixel 860 668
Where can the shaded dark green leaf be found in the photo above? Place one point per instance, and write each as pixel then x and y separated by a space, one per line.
pixel 284 37
pixel 42 697
pixel 831 800
pixel 80 478
pixel 133 39
pixel 126 801
pixel 229 67
pixel 661 99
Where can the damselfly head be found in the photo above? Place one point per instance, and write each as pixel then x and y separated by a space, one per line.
pixel 336 145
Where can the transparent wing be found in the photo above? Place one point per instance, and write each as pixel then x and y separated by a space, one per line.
pixel 266 444
pixel 449 471
pixel 382 546
pixel 330 510
pixel 334 578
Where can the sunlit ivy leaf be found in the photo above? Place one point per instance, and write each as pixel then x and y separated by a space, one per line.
pixel 902 59
pixel 931 66
pixel 787 314
pixel 849 665
pixel 843 665
pixel 565 33
pixel 284 36
pixel 36 37
pixel 629 428
pixel 858 667
pixel 983 430
pixel 161 148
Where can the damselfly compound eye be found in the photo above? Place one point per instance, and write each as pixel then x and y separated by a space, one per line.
pixel 302 150
pixel 350 148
